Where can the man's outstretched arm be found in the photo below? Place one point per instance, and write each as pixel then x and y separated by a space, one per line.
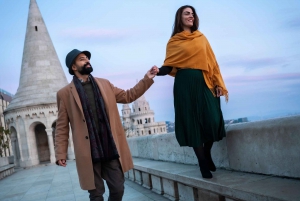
pixel 130 95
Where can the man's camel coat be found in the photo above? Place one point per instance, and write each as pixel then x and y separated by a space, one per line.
pixel 70 111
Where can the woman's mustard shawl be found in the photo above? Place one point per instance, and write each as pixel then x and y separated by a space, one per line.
pixel 192 50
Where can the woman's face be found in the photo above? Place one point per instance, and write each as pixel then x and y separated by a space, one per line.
pixel 187 18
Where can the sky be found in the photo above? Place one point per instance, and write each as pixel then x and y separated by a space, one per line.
pixel 256 44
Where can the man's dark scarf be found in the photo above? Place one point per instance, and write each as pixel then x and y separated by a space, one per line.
pixel 103 147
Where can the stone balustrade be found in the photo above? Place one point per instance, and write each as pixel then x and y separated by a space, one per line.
pixel 6 168
pixel 256 161
pixel 268 147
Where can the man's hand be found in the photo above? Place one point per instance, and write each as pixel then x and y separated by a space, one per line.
pixel 152 72
pixel 62 162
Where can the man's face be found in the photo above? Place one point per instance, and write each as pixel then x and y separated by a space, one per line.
pixel 82 65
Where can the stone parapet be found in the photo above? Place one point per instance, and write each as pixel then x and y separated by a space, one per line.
pixel 6 168
pixel 4 161
pixel 269 147
pixel 184 182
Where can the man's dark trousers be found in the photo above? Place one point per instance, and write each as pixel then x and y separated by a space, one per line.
pixel 112 173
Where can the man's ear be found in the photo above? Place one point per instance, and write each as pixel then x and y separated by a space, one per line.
pixel 73 67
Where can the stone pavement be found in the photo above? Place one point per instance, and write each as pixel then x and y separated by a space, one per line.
pixel 50 182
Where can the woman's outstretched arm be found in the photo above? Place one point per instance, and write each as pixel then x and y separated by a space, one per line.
pixel 164 70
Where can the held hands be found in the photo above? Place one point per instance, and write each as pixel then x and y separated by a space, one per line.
pixel 152 72
pixel 62 162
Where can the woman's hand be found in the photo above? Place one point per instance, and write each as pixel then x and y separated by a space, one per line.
pixel 152 72
pixel 219 91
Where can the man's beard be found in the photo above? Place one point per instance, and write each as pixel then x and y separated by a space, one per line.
pixel 84 70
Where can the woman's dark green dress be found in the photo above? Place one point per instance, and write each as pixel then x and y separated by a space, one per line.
pixel 198 115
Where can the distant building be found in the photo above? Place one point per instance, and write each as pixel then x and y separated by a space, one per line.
pixel 5 99
pixel 140 120
pixel 170 126
pixel 241 120
pixel 235 121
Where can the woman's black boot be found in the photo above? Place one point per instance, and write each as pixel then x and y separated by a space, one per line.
pixel 204 169
pixel 209 160
pixel 207 154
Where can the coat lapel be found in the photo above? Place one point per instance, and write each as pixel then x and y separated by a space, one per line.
pixel 76 96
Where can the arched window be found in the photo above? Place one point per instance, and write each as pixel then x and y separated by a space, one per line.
pixel 145 108
pixel 149 131
pixel 141 121
pixel 139 109
pixel 146 120
pixel 154 130
pixel 160 129
pixel 149 120
pixel 142 132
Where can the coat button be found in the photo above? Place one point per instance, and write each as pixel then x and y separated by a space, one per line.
pixel 83 120
pixel 86 137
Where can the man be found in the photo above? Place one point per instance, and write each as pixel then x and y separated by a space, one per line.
pixel 88 104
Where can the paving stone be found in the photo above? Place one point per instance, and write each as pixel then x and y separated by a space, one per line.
pixel 35 197
pixel 13 197
pixel 33 184
pixel 65 197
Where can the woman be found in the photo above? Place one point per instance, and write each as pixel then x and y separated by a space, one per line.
pixel 197 89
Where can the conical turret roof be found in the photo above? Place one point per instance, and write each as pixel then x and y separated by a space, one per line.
pixel 41 72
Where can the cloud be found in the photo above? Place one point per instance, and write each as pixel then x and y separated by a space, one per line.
pixel 273 77
pixel 293 23
pixel 83 33
pixel 256 63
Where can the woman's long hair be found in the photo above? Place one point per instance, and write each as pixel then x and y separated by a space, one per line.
pixel 178 25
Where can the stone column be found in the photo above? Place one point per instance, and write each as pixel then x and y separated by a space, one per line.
pixel 51 144
pixel 14 149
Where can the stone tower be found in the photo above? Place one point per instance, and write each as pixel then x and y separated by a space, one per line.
pixel 31 115
pixel 126 112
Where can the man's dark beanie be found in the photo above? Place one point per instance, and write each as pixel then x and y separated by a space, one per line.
pixel 71 57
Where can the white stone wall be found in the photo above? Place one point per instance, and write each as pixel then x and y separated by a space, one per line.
pixel 26 145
